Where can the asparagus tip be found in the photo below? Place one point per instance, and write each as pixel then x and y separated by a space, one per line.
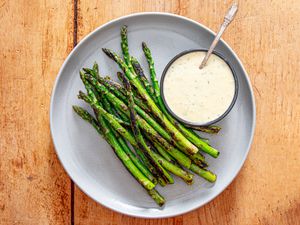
pixel 81 95
pixel 82 112
pixel 76 108
pixel 108 52
pixel 124 28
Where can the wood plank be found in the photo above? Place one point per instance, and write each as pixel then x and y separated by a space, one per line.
pixel 265 36
pixel 35 39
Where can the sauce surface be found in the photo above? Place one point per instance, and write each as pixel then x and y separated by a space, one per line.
pixel 195 95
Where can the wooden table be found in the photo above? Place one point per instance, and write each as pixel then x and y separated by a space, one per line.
pixel 36 36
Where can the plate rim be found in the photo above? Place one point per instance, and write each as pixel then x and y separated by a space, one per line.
pixel 107 203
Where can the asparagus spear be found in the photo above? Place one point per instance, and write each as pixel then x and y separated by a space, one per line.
pixel 157 197
pixel 182 141
pixel 138 136
pixel 124 46
pixel 187 177
pixel 206 174
pixel 136 161
pixel 119 91
pixel 146 161
pixel 118 150
pixel 113 84
pixel 188 133
pixel 89 118
pixel 91 92
pixel 96 68
pixel 198 158
pixel 111 120
pixel 140 154
pixel 199 170
pixel 179 156
pixel 164 154
pixel 89 89
pixel 139 71
pixel 134 91
pixel 152 70
pixel 213 129
pixel 167 165
pixel 154 194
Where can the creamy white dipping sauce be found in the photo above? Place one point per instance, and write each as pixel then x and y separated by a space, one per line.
pixel 199 95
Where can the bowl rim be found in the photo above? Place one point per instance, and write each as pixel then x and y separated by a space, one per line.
pixel 109 203
pixel 236 87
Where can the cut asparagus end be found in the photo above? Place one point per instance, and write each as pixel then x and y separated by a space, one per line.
pixel 157 197
pixel 206 174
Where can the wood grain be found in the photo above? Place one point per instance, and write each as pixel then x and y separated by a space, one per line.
pixel 35 38
pixel 264 35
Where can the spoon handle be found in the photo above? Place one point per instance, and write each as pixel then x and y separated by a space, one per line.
pixel 227 20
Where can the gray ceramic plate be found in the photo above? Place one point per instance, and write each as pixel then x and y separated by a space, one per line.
pixel 89 160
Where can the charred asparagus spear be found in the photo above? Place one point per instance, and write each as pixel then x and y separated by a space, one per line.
pixel 198 169
pixel 91 99
pixel 198 158
pixel 138 136
pixel 125 49
pixel 179 156
pixel 213 129
pixel 124 145
pixel 120 153
pixel 187 177
pixel 179 138
pixel 188 133
pixel 139 71
pixel 118 149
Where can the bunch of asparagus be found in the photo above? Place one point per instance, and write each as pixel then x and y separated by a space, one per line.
pixel 133 114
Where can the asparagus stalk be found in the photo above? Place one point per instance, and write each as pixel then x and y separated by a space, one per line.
pixel 179 156
pixel 213 129
pixel 111 120
pixel 127 150
pixel 146 161
pixel 206 174
pixel 179 138
pixel 119 91
pixel 164 154
pixel 187 177
pixel 199 170
pixel 134 91
pixel 125 49
pixel 154 194
pixel 135 160
pixel 139 71
pixel 198 158
pixel 141 178
pixel 121 140
pixel 89 118
pixel 188 133
pixel 96 70
pixel 138 136
pixel 89 89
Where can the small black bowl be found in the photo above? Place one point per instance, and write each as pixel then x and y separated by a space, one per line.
pixel 188 122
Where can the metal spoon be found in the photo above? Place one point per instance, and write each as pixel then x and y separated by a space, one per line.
pixel 227 20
